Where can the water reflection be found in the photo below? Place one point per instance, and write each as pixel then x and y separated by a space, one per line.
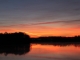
pixel 76 44
pixel 52 52
pixel 21 49
pixel 18 49
pixel 41 51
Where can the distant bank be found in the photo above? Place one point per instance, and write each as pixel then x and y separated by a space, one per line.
pixel 22 38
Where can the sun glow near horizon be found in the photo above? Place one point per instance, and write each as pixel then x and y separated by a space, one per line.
pixel 41 18
pixel 48 31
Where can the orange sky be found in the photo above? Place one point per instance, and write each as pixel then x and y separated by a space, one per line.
pixel 36 31
pixel 41 18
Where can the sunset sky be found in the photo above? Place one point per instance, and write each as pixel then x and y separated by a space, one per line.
pixel 40 17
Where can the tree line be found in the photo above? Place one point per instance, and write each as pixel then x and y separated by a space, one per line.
pixel 14 38
pixel 23 38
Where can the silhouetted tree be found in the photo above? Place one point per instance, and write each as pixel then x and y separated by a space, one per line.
pixel 14 38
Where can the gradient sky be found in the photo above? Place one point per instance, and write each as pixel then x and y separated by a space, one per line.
pixel 40 17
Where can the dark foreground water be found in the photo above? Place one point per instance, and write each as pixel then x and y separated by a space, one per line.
pixel 41 52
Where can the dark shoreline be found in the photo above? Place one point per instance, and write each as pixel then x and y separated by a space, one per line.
pixel 22 38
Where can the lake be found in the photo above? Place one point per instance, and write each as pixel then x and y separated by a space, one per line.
pixel 42 52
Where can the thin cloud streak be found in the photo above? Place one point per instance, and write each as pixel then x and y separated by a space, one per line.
pixel 70 22
pixel 56 22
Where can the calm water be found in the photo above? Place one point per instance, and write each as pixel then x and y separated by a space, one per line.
pixel 45 52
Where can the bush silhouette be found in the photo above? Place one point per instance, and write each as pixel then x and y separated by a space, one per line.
pixel 14 38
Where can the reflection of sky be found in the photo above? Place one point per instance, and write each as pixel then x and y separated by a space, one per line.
pixel 18 14
pixel 48 52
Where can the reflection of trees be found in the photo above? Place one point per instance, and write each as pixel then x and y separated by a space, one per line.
pixel 18 49
pixel 56 39
pixel 58 43
pixel 17 43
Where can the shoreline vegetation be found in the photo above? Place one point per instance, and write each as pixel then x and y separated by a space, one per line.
pixel 19 43
pixel 23 38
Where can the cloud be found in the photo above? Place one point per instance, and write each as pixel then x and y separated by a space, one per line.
pixel 15 25
pixel 66 22
pixel 77 9
pixel 56 22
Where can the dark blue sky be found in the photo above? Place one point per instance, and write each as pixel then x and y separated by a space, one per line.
pixel 34 12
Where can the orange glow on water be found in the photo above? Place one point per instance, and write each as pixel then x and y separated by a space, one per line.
pixel 55 49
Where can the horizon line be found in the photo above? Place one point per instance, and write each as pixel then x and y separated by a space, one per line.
pixel 37 36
